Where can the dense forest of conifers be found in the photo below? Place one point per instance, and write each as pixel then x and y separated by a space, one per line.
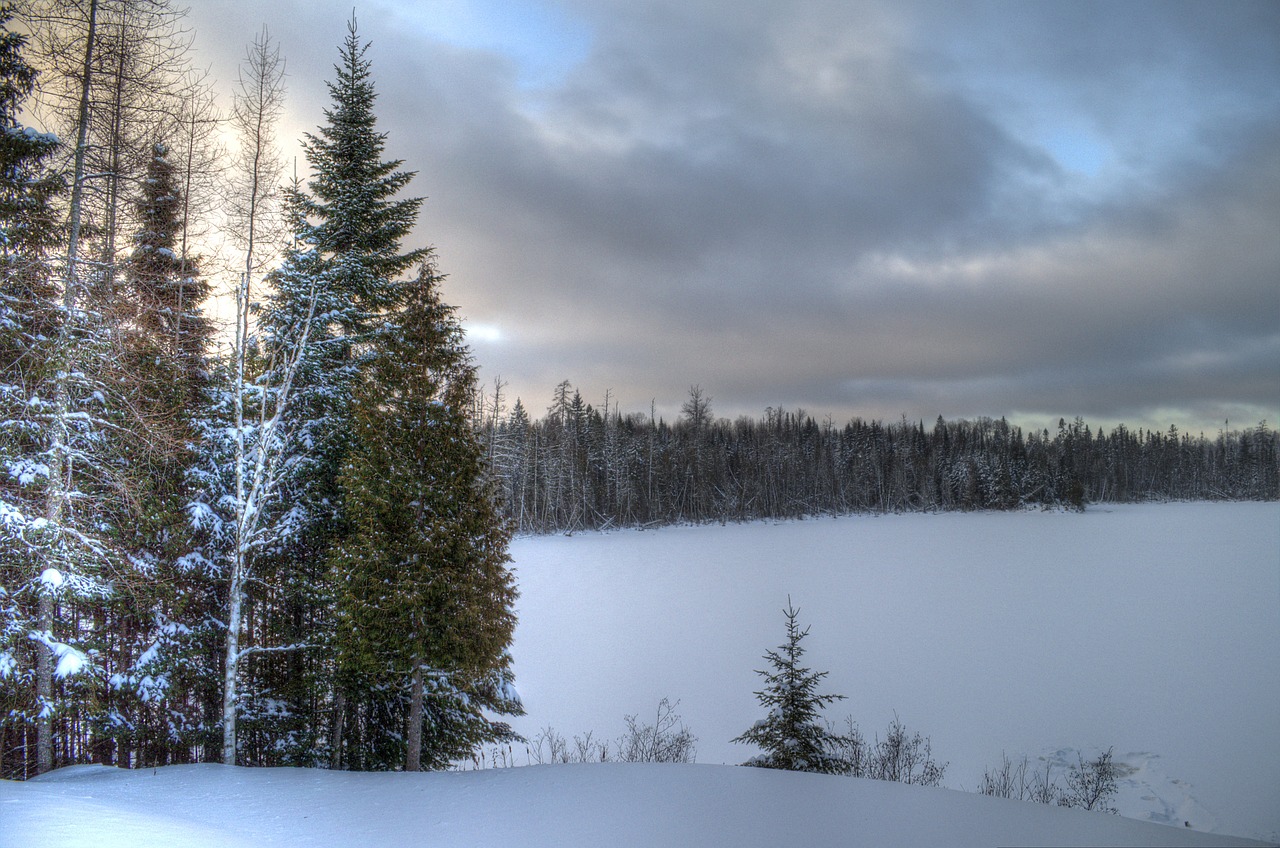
pixel 579 467
pixel 277 548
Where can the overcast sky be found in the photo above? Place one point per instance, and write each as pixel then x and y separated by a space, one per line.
pixel 884 208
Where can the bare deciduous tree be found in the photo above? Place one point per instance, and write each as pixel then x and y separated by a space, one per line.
pixel 259 448
pixel 255 174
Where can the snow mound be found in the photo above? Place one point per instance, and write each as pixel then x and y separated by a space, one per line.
pixel 203 806
pixel 1144 791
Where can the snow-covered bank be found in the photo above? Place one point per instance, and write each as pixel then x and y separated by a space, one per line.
pixel 1151 628
pixel 583 806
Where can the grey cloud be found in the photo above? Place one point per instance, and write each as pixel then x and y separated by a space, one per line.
pixel 830 205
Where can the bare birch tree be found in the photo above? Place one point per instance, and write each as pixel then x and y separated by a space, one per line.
pixel 255 176
pixel 140 84
pixel 257 466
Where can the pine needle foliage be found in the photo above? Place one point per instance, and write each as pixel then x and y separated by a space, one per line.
pixel 793 735
pixel 358 219
pixel 29 328
pixel 424 593
pixel 343 265
pixel 167 287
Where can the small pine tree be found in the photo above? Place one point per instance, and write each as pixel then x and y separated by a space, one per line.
pixel 793 735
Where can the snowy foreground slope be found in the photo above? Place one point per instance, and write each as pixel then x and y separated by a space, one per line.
pixel 572 806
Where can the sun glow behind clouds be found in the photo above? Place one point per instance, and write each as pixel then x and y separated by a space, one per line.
pixel 1077 151
pixel 484 333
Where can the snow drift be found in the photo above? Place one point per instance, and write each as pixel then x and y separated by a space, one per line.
pixel 213 806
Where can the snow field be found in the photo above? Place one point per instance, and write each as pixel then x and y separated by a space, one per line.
pixel 1154 629
pixel 581 806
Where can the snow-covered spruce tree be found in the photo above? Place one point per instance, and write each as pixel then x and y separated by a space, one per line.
pixel 63 493
pixel 424 594
pixel 149 707
pixel 793 735
pixel 28 330
pixel 349 226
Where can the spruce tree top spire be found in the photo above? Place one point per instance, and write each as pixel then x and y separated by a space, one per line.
pixel 357 222
pixel 17 78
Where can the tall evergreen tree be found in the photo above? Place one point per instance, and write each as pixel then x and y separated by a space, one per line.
pixel 350 227
pixel 70 431
pixel 424 594
pixel 28 332
pixel 349 224
pixel 793 735
pixel 148 708
pixel 166 286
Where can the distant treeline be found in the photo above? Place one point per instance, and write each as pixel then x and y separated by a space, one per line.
pixel 580 467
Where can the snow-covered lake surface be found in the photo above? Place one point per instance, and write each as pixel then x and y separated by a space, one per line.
pixel 1154 629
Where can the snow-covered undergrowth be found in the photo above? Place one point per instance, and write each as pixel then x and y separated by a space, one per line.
pixel 1151 628
pixel 582 806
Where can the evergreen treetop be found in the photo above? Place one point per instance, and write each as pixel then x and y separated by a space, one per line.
pixel 28 225
pixel 357 222
pixel 167 287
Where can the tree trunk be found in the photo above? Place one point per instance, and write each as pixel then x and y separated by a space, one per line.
pixel 44 686
pixel 229 690
pixel 116 145
pixel 58 483
pixel 339 718
pixel 413 760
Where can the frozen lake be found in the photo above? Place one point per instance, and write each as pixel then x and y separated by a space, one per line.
pixel 1154 629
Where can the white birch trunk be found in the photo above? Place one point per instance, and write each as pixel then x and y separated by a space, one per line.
pixel 230 692
pixel 257 484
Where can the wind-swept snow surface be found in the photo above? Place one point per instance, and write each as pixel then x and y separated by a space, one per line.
pixel 1151 628
pixel 581 806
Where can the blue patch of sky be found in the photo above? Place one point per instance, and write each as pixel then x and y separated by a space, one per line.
pixel 1075 150
pixel 543 40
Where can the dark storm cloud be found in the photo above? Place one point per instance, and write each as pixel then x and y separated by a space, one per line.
pixel 1037 209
